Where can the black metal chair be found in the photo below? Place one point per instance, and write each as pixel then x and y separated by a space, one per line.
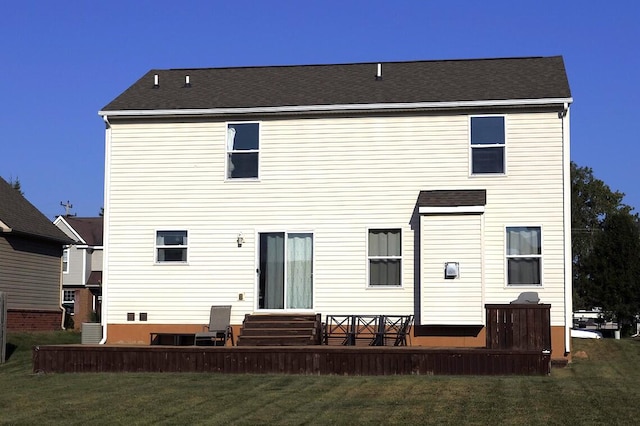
pixel 339 328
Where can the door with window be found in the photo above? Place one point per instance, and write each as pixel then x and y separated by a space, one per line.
pixel 285 272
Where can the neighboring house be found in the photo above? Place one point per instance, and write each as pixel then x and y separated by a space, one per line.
pixel 30 264
pixel 82 267
pixel 429 188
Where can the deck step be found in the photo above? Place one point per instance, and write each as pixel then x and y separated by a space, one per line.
pixel 275 341
pixel 279 318
pixel 278 324
pixel 280 330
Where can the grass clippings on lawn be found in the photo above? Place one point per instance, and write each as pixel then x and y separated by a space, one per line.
pixel 602 387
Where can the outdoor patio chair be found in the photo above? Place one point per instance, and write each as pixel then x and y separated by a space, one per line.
pixel 219 329
pixel 396 328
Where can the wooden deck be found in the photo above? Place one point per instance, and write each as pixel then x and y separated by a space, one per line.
pixel 305 360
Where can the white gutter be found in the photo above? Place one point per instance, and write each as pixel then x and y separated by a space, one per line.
pixel 60 288
pixel 337 108
pixel 568 270
pixel 105 237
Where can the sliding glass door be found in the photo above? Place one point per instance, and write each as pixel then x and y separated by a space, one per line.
pixel 285 270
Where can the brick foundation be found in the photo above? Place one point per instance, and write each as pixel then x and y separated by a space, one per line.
pixel 33 320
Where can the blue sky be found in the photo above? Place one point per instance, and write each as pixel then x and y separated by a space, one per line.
pixel 61 62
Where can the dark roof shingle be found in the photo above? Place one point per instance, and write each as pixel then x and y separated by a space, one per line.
pixel 347 84
pixel 17 213
pixel 89 228
pixel 452 198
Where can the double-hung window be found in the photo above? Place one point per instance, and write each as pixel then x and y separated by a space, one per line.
pixel 243 143
pixel 68 300
pixel 524 255
pixel 65 260
pixel 385 257
pixel 171 246
pixel 487 145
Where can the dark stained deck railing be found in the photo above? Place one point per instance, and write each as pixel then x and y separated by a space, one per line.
pixel 308 360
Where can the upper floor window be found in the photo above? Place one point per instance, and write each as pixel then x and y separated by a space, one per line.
pixel 385 258
pixel 243 143
pixel 487 145
pixel 524 255
pixel 65 260
pixel 171 246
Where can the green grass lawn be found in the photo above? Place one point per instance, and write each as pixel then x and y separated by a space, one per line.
pixel 602 386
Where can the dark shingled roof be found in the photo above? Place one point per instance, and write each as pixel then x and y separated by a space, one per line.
pixel 95 278
pixel 452 198
pixel 89 228
pixel 17 213
pixel 345 84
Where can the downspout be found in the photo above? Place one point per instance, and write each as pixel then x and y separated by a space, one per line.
pixel 64 311
pixel 105 232
pixel 568 256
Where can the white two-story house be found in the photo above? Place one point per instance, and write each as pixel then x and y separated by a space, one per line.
pixel 429 188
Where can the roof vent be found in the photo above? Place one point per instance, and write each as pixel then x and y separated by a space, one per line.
pixel 156 81
pixel 187 81
pixel 379 73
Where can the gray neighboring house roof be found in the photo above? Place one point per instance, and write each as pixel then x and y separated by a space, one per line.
pixel 347 84
pixel 89 228
pixel 19 216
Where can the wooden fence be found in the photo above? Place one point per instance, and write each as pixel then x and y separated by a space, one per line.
pixel 519 327
pixel 309 360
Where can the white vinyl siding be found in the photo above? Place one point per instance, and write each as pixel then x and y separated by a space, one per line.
pixel 336 177
pixel 452 238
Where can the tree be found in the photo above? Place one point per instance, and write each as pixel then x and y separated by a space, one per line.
pixel 592 201
pixel 613 268
pixel 16 185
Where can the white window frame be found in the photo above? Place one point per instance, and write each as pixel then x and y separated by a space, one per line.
pixel 158 247
pixel 72 291
pixel 65 265
pixel 481 146
pixel 507 256
pixel 370 258
pixel 227 151
pixel 71 304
